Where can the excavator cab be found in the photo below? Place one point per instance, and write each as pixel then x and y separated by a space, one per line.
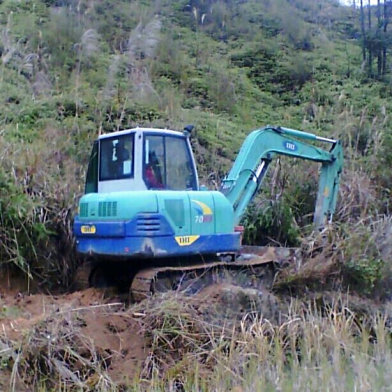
pixel 141 159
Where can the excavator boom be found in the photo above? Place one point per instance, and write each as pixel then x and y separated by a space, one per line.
pixel 257 152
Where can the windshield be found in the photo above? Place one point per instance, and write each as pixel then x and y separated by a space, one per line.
pixel 116 158
pixel 167 163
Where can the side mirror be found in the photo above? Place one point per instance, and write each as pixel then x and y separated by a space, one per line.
pixel 188 130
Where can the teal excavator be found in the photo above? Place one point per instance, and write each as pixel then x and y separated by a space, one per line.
pixel 144 210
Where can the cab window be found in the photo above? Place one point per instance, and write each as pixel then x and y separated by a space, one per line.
pixel 92 171
pixel 116 158
pixel 167 163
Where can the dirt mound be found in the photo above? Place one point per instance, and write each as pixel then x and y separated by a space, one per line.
pixel 21 311
pixel 231 302
pixel 90 337
pixel 82 337
pixel 95 340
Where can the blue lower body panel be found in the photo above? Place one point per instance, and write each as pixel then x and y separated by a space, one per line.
pixel 139 247
pixel 146 236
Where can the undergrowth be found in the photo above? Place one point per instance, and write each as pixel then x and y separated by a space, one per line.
pixel 312 348
pixel 355 258
pixel 36 202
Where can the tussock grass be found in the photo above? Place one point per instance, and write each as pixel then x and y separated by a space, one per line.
pixel 37 202
pixel 310 349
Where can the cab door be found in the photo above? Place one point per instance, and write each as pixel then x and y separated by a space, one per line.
pixel 168 163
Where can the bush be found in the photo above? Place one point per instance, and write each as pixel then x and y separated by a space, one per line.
pixel 36 200
pixel 271 222
pixel 362 275
pixel 367 252
pixel 21 232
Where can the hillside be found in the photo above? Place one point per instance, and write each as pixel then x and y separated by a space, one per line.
pixel 72 70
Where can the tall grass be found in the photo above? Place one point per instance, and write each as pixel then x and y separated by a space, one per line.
pixel 189 348
pixel 311 349
pixel 37 202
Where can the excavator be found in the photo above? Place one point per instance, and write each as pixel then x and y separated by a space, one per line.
pixel 144 209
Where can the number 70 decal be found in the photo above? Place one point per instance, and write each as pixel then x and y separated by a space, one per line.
pixel 204 212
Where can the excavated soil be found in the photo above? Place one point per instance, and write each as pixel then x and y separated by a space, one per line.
pixel 102 324
pixel 99 319
pixel 102 329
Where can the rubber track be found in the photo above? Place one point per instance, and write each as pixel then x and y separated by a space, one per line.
pixel 143 284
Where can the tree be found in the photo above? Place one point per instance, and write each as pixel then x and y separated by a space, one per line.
pixel 363 33
pixel 385 28
pixel 375 39
pixel 369 41
pixel 379 49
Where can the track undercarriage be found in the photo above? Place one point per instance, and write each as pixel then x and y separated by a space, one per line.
pixel 254 267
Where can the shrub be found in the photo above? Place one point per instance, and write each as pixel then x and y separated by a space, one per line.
pixel 36 200
pixel 362 275
pixel 367 257
pixel 272 221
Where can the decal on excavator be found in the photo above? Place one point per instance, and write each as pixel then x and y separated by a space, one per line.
pixel 204 213
pixel 88 229
pixel 289 145
pixel 186 240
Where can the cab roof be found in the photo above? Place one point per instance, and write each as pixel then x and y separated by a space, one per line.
pixel 146 130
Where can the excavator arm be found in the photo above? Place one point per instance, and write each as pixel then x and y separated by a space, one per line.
pixel 261 147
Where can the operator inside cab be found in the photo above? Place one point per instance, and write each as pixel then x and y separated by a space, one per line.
pixel 152 172
pixel 167 163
